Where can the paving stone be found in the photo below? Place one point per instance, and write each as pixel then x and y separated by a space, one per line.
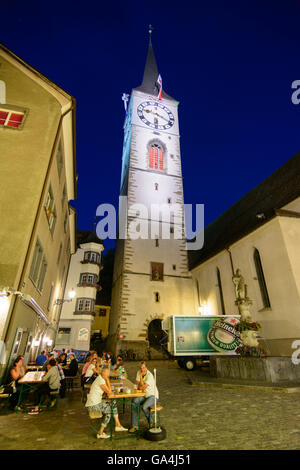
pixel 194 418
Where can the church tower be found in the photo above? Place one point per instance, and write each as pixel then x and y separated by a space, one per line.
pixel 151 279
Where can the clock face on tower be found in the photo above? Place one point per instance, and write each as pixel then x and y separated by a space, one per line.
pixel 155 115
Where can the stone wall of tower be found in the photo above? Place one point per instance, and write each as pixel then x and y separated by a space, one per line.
pixel 134 303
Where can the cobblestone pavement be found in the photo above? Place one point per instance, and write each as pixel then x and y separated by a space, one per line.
pixel 194 417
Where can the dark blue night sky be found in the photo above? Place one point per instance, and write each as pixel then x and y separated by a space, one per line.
pixel 230 64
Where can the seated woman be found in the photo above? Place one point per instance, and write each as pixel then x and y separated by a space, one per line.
pixel 92 371
pixel 96 402
pixel 51 383
pixel 85 367
pixel 120 367
pixel 16 373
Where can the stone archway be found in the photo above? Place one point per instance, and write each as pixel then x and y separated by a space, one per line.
pixel 155 332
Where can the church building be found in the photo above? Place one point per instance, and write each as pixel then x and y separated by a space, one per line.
pixel 260 235
pixel 151 278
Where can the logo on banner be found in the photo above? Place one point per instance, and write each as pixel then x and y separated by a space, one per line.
pixel 223 337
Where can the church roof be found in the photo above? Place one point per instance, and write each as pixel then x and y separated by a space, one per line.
pixel 150 77
pixel 279 189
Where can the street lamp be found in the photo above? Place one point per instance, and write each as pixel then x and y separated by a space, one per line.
pixel 71 295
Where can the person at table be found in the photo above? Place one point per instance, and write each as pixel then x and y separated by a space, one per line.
pixel 54 353
pixel 85 366
pixel 51 383
pixel 120 367
pixel 45 366
pixel 72 368
pixel 112 359
pixel 23 368
pixel 71 352
pixel 15 374
pixel 89 375
pixel 144 382
pixel 63 359
pixel 63 384
pixel 97 401
pixel 41 359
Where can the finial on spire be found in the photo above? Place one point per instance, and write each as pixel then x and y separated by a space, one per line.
pixel 150 29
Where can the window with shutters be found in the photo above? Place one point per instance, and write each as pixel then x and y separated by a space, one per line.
pixel 50 210
pixel 156 157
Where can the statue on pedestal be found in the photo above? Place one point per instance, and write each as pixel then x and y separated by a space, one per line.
pixel 241 293
pixel 247 327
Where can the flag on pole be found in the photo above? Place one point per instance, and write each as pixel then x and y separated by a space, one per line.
pixel 125 98
pixel 159 82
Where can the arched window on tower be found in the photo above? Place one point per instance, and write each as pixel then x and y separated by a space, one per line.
pixel 261 279
pixel 156 157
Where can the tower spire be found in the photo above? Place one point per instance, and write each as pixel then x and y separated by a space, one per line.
pixel 150 31
pixel 149 83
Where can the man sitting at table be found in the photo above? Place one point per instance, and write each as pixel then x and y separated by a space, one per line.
pixel 51 383
pixel 45 366
pixel 41 359
pixel 72 368
pixel 144 382
pixel 100 388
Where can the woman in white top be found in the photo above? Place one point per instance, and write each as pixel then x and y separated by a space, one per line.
pixel 90 369
pixel 95 402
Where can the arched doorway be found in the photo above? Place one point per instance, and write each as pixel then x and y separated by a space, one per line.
pixel 155 333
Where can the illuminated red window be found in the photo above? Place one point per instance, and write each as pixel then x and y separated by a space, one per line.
pixel 11 118
pixel 156 158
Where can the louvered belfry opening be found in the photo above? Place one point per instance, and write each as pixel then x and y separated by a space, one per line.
pixel 156 157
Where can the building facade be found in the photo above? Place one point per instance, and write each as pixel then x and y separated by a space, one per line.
pixel 37 225
pixel 100 325
pixel 77 315
pixel 151 279
pixel 260 235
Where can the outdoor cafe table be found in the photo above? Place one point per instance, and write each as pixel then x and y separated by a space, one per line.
pixel 124 396
pixel 34 367
pixel 30 380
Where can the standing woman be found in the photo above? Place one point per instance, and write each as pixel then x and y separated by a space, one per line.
pixel 95 402
pixel 16 373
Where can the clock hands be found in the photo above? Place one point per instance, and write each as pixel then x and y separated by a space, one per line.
pixel 156 114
